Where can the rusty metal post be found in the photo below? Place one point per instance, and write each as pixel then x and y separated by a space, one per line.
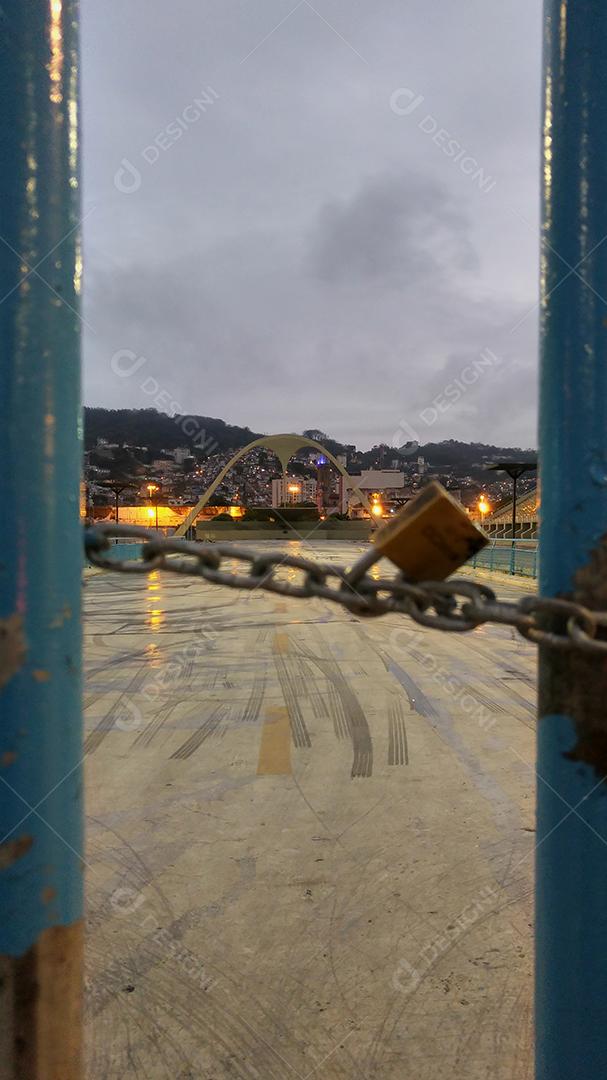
pixel 571 861
pixel 41 547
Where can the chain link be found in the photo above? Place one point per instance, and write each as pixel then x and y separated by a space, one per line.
pixel 455 605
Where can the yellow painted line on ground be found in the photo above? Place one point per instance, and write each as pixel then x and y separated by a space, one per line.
pixel 275 746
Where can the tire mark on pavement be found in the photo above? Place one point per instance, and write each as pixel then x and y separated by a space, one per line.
pixel 336 711
pixel 398 750
pixel 253 706
pixel 358 726
pixel 443 724
pixel 211 726
pixel 97 735
pixel 289 677
pixel 144 738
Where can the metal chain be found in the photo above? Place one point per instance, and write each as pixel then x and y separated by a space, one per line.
pixel 454 605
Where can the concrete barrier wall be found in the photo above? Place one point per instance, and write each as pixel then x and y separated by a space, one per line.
pixel 346 530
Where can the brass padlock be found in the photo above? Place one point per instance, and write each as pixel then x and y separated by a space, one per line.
pixel 431 537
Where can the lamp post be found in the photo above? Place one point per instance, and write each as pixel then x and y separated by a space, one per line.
pixel 514 469
pixel 117 487
pixel 153 490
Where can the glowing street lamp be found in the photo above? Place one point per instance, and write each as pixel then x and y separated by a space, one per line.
pixel 483 507
pixel 153 489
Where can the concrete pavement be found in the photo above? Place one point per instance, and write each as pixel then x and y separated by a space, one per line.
pixel 310 838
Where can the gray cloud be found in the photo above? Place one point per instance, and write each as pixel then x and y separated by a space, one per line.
pixel 397 231
pixel 301 255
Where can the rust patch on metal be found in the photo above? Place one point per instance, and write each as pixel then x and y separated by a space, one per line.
pixel 12 850
pixel 63 616
pixel 13 647
pixel 41 675
pixel 575 683
pixel 44 1002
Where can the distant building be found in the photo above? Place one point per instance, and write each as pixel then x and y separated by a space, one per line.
pixel 180 453
pixel 161 465
pixel 387 484
pixel 379 480
pixel 298 490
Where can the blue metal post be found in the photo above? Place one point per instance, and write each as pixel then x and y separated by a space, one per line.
pixel 40 546
pixel 571 981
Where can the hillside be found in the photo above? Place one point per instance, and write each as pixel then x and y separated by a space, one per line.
pixel 158 431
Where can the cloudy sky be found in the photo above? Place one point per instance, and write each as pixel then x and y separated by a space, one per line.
pixel 322 215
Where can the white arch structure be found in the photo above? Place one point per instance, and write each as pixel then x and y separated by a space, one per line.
pixel 284 446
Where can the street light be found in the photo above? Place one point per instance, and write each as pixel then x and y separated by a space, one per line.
pixel 153 489
pixel 484 508
pixel 117 487
pixel 515 469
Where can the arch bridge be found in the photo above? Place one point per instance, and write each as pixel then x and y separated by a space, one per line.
pixel 284 446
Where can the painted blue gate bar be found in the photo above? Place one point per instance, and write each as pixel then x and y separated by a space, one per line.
pixel 40 455
pixel 571 861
